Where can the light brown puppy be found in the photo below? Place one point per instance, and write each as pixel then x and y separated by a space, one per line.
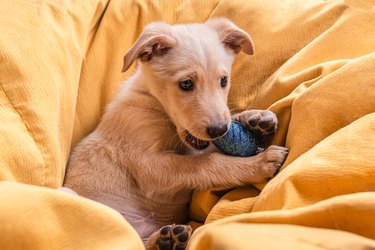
pixel 152 145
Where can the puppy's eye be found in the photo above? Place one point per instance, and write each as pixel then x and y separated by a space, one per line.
pixel 186 85
pixel 223 81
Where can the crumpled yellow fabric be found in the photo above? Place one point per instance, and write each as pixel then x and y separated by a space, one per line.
pixel 324 96
pixel 60 64
pixel 34 217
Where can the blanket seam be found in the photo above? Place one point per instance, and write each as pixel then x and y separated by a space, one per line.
pixel 213 10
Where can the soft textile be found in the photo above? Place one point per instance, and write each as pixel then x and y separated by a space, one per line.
pixel 60 64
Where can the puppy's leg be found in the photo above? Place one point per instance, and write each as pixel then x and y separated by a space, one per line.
pixel 260 122
pixel 172 172
pixel 171 237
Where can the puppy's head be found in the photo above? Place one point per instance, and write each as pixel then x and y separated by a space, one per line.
pixel 187 68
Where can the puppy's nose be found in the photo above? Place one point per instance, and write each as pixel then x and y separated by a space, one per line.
pixel 217 130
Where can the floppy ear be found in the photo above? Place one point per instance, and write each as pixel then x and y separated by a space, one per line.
pixel 153 41
pixel 232 36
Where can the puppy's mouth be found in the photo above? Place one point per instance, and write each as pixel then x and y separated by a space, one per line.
pixel 196 143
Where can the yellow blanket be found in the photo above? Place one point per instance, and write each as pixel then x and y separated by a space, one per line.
pixel 60 64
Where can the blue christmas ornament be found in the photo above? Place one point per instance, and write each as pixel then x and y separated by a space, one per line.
pixel 238 141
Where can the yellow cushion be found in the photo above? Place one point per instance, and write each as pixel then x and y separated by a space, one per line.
pixel 313 65
pixel 34 217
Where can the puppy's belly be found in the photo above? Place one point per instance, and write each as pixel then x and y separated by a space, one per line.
pixel 147 221
pixel 150 217
pixel 145 215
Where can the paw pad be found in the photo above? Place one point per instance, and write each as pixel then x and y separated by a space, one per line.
pixel 173 237
pixel 263 125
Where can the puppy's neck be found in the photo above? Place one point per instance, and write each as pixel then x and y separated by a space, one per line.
pixel 136 88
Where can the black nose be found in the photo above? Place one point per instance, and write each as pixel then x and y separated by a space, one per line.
pixel 217 130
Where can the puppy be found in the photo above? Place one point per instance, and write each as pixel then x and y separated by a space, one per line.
pixel 151 148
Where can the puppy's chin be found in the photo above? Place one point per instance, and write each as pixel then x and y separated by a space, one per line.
pixel 193 142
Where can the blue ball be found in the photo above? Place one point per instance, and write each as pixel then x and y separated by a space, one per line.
pixel 238 141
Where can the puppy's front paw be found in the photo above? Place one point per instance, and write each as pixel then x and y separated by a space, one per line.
pixel 171 237
pixel 273 158
pixel 260 122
